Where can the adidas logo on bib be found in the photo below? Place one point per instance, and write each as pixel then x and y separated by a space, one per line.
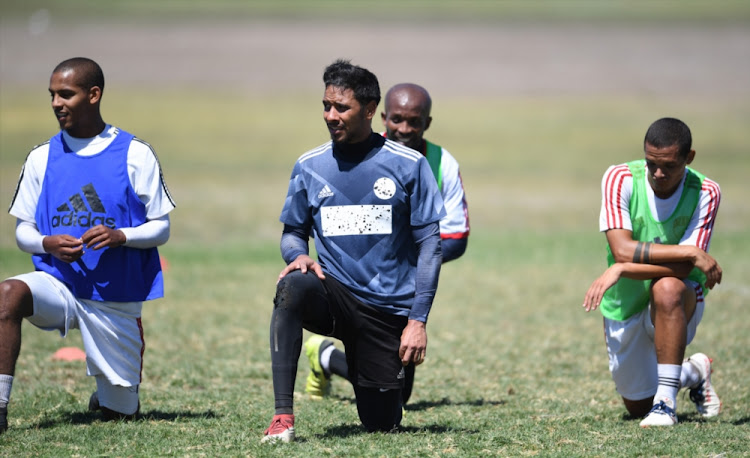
pixel 80 214
pixel 325 192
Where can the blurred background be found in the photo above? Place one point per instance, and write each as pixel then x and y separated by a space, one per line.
pixel 530 96
pixel 534 98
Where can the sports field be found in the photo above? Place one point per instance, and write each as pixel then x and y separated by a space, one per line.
pixel 534 99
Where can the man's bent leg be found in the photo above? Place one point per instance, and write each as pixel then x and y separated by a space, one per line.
pixel 286 339
pixel 300 298
pixel 672 305
pixel 16 303
pixel 116 363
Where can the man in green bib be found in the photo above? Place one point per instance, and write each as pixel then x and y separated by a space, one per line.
pixel 658 216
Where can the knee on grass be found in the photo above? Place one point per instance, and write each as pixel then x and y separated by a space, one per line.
pixel 638 409
pixel 379 411
pixel 116 402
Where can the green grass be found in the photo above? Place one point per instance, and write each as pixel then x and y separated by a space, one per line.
pixel 515 367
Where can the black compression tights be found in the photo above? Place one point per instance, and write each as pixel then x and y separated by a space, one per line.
pixel 300 298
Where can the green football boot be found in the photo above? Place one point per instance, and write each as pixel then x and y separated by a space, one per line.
pixel 318 384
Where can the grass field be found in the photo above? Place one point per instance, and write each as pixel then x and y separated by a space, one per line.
pixel 515 367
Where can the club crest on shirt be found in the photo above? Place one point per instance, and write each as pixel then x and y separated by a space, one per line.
pixel 384 188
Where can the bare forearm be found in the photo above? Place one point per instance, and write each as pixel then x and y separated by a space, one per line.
pixel 637 271
pixel 625 249
pixel 655 253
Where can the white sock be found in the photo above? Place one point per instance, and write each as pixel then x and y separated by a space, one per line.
pixel 325 358
pixel 690 376
pixel 669 383
pixel 6 383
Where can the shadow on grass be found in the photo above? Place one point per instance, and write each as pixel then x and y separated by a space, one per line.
pixel 349 430
pixel 87 418
pixel 173 416
pixel 428 403
pixel 690 418
pixel 423 405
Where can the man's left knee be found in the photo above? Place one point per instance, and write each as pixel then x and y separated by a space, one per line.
pixel 122 400
pixel 670 294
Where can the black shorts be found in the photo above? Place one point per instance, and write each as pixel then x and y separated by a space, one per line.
pixel 371 337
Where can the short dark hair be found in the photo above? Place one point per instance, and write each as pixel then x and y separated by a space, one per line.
pixel 413 88
pixel 361 81
pixel 667 132
pixel 89 73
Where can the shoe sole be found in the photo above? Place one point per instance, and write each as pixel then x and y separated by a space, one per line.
pixel 286 437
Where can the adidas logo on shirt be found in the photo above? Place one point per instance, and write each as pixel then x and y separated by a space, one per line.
pixel 325 192
pixel 74 212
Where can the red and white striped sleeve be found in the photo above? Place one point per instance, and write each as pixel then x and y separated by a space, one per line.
pixel 617 187
pixel 701 224
pixel 455 224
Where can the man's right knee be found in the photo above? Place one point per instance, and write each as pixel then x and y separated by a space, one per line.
pixel 293 290
pixel 16 301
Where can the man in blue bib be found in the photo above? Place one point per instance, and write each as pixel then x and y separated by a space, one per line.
pixel 373 208
pixel 91 208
